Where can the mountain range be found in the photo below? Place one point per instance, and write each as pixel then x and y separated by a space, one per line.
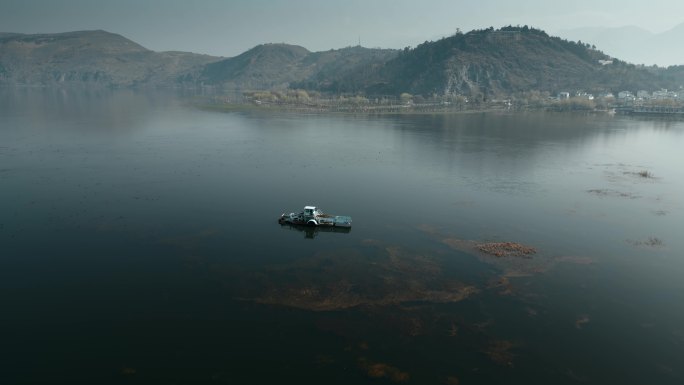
pixel 634 44
pixel 89 57
pixel 483 62
pixel 269 66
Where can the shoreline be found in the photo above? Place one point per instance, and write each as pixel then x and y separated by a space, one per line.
pixel 379 110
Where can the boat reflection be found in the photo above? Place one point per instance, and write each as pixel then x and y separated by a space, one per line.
pixel 311 232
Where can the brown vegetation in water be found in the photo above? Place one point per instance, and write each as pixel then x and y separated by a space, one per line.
pixel 642 174
pixel 500 352
pixel 506 249
pixel 340 280
pixel 513 259
pixel 381 370
pixel 581 320
pixel 650 242
pixel 605 193
pixel 502 285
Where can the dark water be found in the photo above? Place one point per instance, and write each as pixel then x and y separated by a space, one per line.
pixel 139 244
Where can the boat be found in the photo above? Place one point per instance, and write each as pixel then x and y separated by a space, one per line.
pixel 311 232
pixel 313 216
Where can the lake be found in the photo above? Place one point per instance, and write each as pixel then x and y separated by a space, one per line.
pixel 139 243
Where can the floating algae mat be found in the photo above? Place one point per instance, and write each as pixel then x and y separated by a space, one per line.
pixel 346 278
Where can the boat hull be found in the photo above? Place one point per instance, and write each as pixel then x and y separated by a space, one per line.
pixel 327 221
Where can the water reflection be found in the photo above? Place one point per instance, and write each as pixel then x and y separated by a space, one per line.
pixel 145 227
pixel 82 110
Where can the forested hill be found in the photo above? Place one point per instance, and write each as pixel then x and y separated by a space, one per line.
pixel 509 60
pixel 270 66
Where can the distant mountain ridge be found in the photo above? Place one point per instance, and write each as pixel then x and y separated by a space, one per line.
pixel 88 57
pixel 485 62
pixel 634 44
pixel 269 66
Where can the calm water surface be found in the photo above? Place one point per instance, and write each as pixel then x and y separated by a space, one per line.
pixel 139 243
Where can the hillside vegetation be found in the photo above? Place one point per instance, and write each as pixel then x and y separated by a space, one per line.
pixel 509 60
pixel 273 66
pixel 88 57
pixel 482 64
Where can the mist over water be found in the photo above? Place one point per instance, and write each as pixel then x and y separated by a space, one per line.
pixel 139 242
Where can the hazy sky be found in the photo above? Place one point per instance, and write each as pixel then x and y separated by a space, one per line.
pixel 229 27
